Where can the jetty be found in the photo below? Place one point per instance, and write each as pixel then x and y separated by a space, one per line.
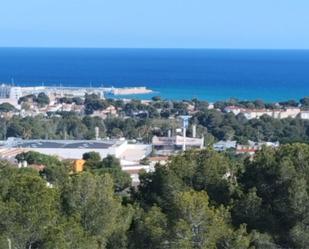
pixel 15 92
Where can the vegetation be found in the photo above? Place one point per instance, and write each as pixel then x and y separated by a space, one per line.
pixel 140 121
pixel 110 165
pixel 41 99
pixel 93 103
pixel 225 126
pixel 200 199
pixel 7 107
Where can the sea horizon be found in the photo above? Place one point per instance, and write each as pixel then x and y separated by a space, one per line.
pixel 157 48
pixel 172 73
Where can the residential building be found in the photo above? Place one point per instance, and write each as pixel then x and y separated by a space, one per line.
pixel 224 145
pixel 252 147
pixel 234 109
pixel 291 112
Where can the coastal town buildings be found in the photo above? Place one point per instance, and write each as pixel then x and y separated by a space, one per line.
pixel 291 112
pixel 250 148
pixel 110 110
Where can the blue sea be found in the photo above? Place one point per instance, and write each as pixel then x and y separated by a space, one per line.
pixel 271 75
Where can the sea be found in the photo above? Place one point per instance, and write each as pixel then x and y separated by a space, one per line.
pixel 177 74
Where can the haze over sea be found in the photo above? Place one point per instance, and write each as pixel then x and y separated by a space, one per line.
pixel 271 75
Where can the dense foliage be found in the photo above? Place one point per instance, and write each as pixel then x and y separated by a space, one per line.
pixel 200 199
pixel 142 120
pixel 7 107
pixel 225 126
pixel 41 99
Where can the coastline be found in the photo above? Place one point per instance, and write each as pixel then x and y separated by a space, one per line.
pixel 65 90
pixel 143 93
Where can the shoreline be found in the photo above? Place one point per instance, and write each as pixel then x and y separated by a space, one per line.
pixel 139 93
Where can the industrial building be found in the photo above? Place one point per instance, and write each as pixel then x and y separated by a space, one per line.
pixel 128 154
pixel 69 149
pixel 170 145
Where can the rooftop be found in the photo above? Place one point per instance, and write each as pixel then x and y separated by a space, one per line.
pixel 177 140
pixel 64 144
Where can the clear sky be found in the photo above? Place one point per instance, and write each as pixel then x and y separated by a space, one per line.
pixel 155 23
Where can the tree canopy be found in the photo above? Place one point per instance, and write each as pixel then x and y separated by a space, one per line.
pixel 199 200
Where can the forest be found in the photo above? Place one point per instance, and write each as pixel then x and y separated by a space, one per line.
pixel 200 200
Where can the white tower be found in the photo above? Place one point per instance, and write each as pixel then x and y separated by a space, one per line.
pixel 194 131
pixel 185 124
pixel 97 133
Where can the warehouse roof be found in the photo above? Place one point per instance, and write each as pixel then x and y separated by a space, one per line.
pixel 65 144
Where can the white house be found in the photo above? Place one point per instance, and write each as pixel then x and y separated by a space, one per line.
pixel 304 115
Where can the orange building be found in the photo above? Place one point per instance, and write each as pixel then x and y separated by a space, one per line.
pixel 78 165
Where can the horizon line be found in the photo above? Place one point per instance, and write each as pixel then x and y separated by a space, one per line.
pixel 163 48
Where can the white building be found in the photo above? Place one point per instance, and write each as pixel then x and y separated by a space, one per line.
pixel 291 112
pixel 304 115
pixel 234 109
pixel 253 147
pixel 15 93
pixel 224 145
pixel 69 149
pixel 9 94
pixel 128 154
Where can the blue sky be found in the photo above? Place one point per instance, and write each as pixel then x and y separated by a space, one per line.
pixel 155 23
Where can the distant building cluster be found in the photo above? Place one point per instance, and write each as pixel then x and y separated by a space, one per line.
pixel 291 112
pixel 10 94
pixel 130 155
pixel 249 149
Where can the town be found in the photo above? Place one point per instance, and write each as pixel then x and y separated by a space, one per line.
pixel 154 124
pixel 172 126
